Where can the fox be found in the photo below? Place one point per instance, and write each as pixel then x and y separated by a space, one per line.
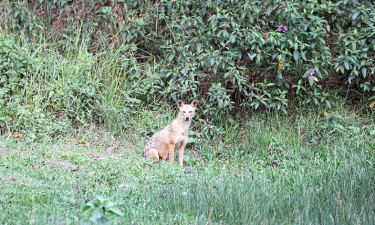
pixel 162 144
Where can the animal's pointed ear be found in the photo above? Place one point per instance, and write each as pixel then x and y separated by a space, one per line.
pixel 194 103
pixel 180 103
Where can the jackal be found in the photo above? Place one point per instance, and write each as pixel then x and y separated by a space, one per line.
pixel 162 144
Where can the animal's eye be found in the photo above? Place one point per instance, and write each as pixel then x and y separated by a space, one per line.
pixel 183 112
pixel 190 111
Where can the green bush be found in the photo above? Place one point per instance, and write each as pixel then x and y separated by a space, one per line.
pixel 261 54
pixel 40 93
pixel 288 44
pixel 14 65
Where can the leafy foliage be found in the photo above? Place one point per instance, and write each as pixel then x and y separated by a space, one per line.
pixel 97 208
pixel 263 55
pixel 14 65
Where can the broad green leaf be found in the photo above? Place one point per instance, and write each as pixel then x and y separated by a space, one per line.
pixel 269 10
pixel 346 64
pixel 296 55
pixel 328 104
pixel 86 207
pixel 355 15
pixel 199 46
pixel 115 210
pixel 364 72
pixel 95 214
pixel 102 221
pixel 311 80
pixel 171 56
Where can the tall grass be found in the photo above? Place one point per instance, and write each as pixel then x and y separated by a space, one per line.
pixel 70 83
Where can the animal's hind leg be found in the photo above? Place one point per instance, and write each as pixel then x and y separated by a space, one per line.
pixel 152 153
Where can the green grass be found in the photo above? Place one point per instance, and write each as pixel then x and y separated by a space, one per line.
pixel 273 169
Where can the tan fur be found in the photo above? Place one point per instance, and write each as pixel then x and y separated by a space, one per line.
pixel 162 144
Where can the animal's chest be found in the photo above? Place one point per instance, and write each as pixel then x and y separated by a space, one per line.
pixel 180 138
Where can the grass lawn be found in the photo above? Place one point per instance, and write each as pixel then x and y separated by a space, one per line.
pixel 274 169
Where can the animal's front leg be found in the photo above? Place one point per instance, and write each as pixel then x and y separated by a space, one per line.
pixel 171 153
pixel 181 150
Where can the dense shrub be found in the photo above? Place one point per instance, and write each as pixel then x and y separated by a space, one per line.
pixel 260 54
pixel 16 112
pixel 263 51
pixel 14 64
pixel 39 92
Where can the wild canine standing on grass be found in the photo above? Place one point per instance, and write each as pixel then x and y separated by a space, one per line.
pixel 162 144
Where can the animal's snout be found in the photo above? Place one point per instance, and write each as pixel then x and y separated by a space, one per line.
pixel 187 118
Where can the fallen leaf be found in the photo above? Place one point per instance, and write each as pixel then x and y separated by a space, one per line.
pixel 316 79
pixel 227 147
pixel 101 158
pixel 325 114
pixel 18 135
pixel 372 104
pixel 355 115
pixel 195 154
pixel 76 140
pixel 26 184
pixel 93 155
pixel 85 143
pixel 337 69
pixel 281 64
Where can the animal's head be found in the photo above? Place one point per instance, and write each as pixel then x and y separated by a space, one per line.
pixel 187 111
